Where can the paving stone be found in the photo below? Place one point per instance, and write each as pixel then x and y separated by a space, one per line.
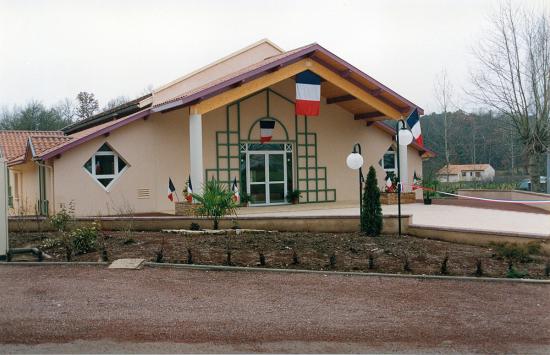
pixel 134 264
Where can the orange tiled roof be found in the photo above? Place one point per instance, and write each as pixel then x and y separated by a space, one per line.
pixel 40 144
pixel 14 143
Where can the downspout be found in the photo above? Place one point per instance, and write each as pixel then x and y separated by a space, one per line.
pixel 40 164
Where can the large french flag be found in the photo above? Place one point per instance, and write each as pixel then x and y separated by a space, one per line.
pixel 308 93
pixel 266 130
pixel 414 124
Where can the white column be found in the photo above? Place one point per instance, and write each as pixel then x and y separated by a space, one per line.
pixel 3 209
pixel 195 152
pixel 404 168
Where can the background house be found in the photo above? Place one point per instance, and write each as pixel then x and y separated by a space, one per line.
pixel 466 172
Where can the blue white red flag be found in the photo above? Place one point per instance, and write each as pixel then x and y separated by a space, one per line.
pixel 189 196
pixel 308 93
pixel 414 124
pixel 235 189
pixel 171 190
pixel 266 130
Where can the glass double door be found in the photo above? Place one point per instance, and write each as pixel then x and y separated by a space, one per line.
pixel 267 177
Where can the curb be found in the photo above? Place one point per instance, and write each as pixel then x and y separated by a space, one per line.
pixel 289 271
pixel 56 263
pixel 340 273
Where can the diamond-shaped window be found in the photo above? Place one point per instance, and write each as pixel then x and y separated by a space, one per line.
pixel 105 166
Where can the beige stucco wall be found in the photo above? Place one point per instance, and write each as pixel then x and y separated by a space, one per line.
pixel 336 130
pixel 24 183
pixel 158 148
pixel 155 149
pixel 225 66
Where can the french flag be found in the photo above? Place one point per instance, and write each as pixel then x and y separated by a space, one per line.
pixel 266 130
pixel 308 93
pixel 414 124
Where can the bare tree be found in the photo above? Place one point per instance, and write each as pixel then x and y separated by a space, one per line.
pixel 117 101
pixel 66 110
pixel 87 105
pixel 514 78
pixel 443 90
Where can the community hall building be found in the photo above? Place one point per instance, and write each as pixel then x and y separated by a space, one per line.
pixel 237 119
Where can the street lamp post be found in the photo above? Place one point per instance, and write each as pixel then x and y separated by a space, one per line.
pixel 355 161
pixel 404 137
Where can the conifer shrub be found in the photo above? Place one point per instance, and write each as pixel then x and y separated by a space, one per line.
pixel 371 220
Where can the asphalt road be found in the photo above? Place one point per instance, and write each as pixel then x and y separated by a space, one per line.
pixel 92 309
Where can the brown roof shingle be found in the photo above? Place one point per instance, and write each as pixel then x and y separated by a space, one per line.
pixel 14 143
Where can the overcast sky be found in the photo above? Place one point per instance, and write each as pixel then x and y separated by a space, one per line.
pixel 50 50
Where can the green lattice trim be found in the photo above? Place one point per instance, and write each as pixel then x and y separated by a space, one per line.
pixel 228 163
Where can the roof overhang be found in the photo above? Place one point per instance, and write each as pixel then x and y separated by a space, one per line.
pixel 315 58
pixel 82 138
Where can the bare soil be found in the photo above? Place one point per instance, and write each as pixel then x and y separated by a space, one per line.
pixel 349 252
pixel 94 309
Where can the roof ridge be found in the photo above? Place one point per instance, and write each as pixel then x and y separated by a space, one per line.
pixel 218 61
pixel 29 131
pixel 46 136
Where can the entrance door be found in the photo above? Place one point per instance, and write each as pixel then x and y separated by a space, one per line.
pixel 267 177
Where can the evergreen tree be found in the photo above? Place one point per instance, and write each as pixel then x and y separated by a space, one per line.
pixel 372 211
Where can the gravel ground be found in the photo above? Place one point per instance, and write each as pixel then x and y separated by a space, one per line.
pixel 93 309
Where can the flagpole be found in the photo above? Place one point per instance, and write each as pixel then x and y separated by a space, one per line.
pixel 398 182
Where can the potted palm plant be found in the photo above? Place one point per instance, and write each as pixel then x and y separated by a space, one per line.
pixel 215 202
pixel 293 196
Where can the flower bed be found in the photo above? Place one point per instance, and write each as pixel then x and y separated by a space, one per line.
pixel 314 251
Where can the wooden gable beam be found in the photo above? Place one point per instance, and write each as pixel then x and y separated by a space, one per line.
pixel 336 99
pixel 255 85
pixel 250 87
pixel 370 116
pixel 359 92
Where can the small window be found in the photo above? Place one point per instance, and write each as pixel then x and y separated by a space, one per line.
pixel 389 161
pixel 105 166
pixel 478 174
pixel 463 173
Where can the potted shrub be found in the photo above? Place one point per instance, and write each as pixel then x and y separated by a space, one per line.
pixel 428 193
pixel 245 199
pixel 293 196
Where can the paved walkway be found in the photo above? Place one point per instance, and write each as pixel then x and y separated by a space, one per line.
pixel 432 215
pixel 93 309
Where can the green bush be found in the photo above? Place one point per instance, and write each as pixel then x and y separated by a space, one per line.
pixel 61 220
pixel 194 227
pixel 371 220
pixel 215 202
pixel 84 239
pixel 517 252
pixel 514 273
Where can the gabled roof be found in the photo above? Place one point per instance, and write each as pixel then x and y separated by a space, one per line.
pixel 14 143
pixel 105 122
pixel 455 169
pixel 228 57
pixel 313 51
pixel 40 144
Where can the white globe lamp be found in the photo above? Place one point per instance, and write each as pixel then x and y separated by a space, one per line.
pixel 405 137
pixel 354 161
